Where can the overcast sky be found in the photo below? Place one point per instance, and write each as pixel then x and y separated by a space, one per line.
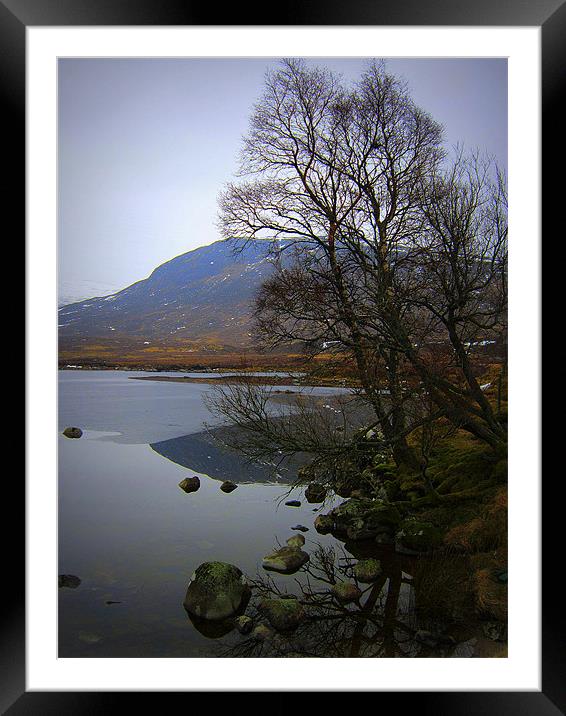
pixel 146 145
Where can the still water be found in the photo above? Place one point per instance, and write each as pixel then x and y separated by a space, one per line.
pixel 134 538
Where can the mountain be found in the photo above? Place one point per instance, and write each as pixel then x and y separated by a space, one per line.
pixel 200 301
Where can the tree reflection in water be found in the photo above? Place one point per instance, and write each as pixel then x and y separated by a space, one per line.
pixel 383 622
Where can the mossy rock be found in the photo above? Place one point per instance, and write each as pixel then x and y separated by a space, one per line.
pixel 283 614
pixel 324 524
pixel 414 537
pixel 296 541
pixel 367 570
pixel 217 590
pixel 346 592
pixel 286 560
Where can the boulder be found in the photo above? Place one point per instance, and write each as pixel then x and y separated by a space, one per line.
pixel 72 432
pixel 293 503
pixel 69 580
pixel 283 614
pixel 324 524
pixel 367 570
pixel 346 592
pixel 190 484
pixel 415 537
pixel 216 591
pixel 315 493
pixel 244 624
pixel 296 541
pixel 286 560
pixel 228 486
pixel 301 528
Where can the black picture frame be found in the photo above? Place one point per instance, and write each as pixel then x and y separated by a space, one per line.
pixel 15 17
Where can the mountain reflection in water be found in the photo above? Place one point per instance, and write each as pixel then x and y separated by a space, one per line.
pixel 205 452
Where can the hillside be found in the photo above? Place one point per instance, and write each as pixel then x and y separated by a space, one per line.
pixel 198 302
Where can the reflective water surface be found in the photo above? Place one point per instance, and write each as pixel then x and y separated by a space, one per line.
pixel 134 538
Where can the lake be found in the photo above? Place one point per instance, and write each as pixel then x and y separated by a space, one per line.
pixel 134 538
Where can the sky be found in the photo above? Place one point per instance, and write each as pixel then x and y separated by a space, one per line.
pixel 146 145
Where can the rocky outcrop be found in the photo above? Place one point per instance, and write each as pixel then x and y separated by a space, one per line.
pixel 216 591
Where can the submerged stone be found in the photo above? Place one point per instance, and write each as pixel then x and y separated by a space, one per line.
pixel 286 560
pixel 293 503
pixel 300 528
pixel 216 591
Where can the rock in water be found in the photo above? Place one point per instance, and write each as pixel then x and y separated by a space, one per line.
pixel 69 580
pixel 293 503
pixel 296 541
pixel 346 592
pixel 286 560
pixel 190 484
pixel 244 624
pixel 216 591
pixel 324 524
pixel 283 614
pixel 301 528
pixel 367 570
pixel 228 486
pixel 315 493
pixel 72 432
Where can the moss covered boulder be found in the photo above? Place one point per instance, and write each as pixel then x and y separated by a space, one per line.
pixel 283 614
pixel 296 541
pixel 286 560
pixel 415 537
pixel 346 592
pixel 367 570
pixel 216 591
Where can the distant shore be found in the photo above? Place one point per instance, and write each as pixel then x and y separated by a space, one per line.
pixel 250 379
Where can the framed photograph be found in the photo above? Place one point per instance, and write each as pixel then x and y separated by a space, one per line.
pixel 268 344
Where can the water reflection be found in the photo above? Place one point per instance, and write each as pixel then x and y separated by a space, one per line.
pixel 386 620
